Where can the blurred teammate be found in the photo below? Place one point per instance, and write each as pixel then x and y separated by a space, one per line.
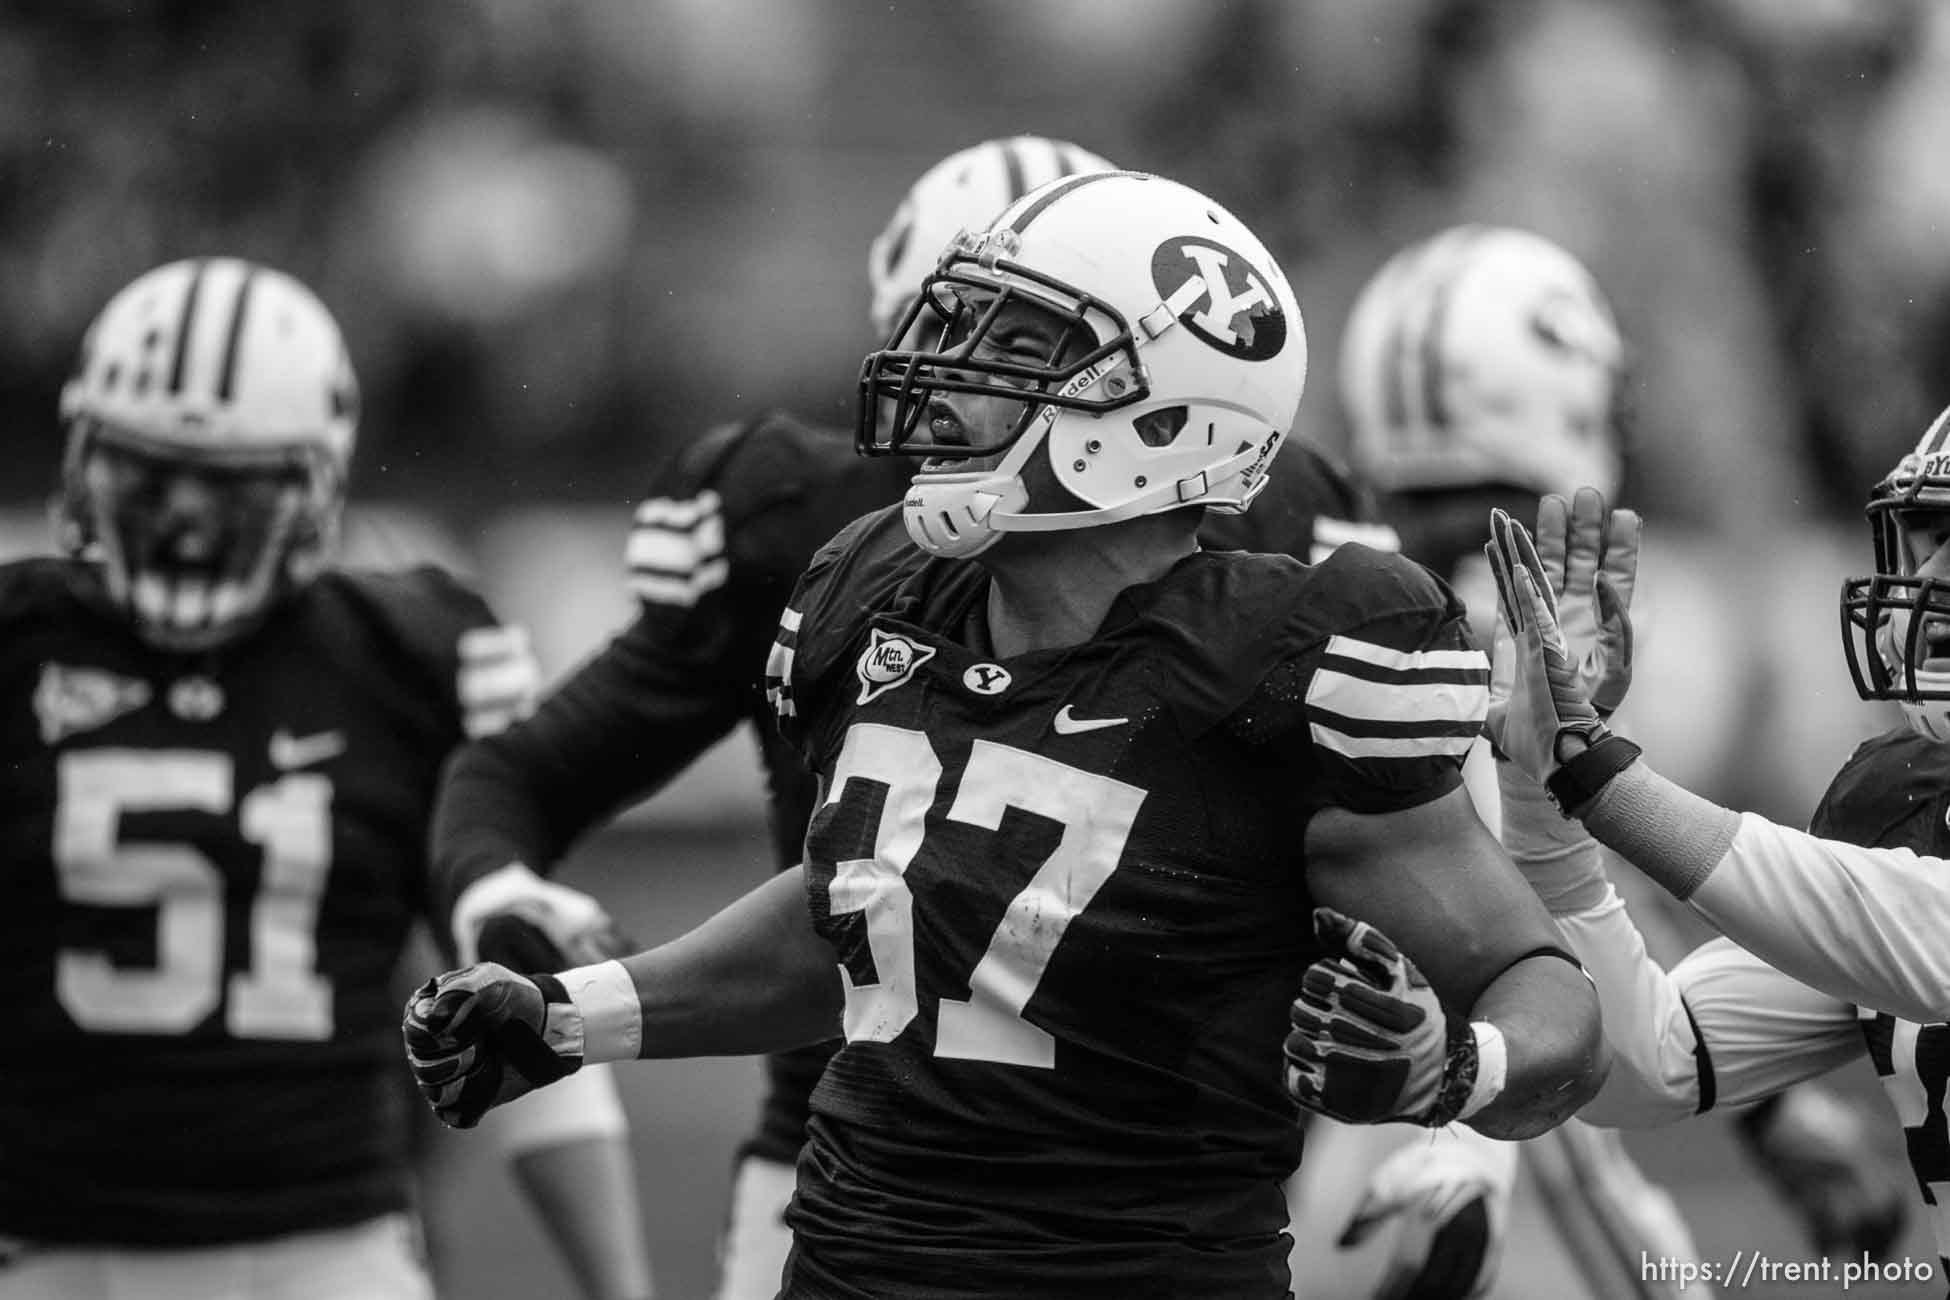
pixel 1084 786
pixel 713 557
pixel 1482 368
pixel 219 756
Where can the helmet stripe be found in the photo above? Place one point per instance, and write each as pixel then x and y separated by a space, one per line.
pixel 227 376
pixel 1012 171
pixel 1057 190
pixel 183 326
pixel 1435 391
pixel 1069 159
pixel 1450 259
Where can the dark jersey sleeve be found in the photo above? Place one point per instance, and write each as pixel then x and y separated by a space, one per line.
pixel 1384 692
pixel 474 671
pixel 711 558
pixel 470 674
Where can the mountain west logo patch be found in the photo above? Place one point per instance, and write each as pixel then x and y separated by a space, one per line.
pixel 888 661
pixel 72 700
pixel 1235 311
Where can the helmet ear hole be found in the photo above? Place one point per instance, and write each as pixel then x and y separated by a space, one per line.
pixel 1161 428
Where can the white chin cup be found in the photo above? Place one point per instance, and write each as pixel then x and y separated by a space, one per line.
pixel 947 514
pixel 1929 718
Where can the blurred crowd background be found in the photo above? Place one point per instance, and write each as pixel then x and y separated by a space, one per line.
pixel 566 236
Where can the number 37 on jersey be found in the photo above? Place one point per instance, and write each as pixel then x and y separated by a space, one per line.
pixel 870 830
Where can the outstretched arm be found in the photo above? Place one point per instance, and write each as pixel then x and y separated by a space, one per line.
pixel 1859 924
pixel 754 978
pixel 1721 1028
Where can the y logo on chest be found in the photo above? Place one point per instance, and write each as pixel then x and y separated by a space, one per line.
pixel 986 679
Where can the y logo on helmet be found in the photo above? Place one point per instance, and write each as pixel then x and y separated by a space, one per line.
pixel 1237 312
pixel 889 660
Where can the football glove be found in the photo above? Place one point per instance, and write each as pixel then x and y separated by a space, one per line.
pixel 1540 699
pixel 1370 1042
pixel 515 917
pixel 1449 1202
pixel 1590 558
pixel 481 1037
pixel 1818 1156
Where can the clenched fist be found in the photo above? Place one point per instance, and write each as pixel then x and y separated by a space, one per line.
pixel 480 1037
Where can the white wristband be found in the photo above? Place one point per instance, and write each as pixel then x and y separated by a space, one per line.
pixel 1492 1064
pixel 612 1015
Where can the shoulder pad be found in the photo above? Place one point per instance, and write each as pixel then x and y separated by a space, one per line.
pixel 1364 679
pixel 1890 794
pixel 31 588
pixel 1361 585
pixel 1250 613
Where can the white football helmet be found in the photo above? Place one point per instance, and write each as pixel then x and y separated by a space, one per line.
pixel 1896 622
pixel 210 423
pixel 1178 374
pixel 1484 357
pixel 961 192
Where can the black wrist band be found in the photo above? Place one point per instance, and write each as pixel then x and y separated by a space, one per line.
pixel 1579 781
pixel 1458 1076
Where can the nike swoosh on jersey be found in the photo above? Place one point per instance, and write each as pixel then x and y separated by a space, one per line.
pixel 1068 725
pixel 289 751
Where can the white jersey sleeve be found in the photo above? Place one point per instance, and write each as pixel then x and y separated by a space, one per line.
pixel 1863 924
pixel 1735 1030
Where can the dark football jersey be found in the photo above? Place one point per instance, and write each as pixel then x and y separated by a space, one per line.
pixel 1066 891
pixel 1894 792
pixel 1310 506
pixel 713 556
pixel 210 867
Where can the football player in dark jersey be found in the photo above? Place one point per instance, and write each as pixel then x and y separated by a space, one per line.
pixel 217 761
pixel 1482 368
pixel 712 559
pixel 1096 805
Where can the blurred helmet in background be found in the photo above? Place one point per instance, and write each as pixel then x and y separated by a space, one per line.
pixel 1484 356
pixel 1177 370
pixel 963 191
pixel 210 423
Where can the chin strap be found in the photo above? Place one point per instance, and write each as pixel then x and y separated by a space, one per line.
pixel 1185 491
